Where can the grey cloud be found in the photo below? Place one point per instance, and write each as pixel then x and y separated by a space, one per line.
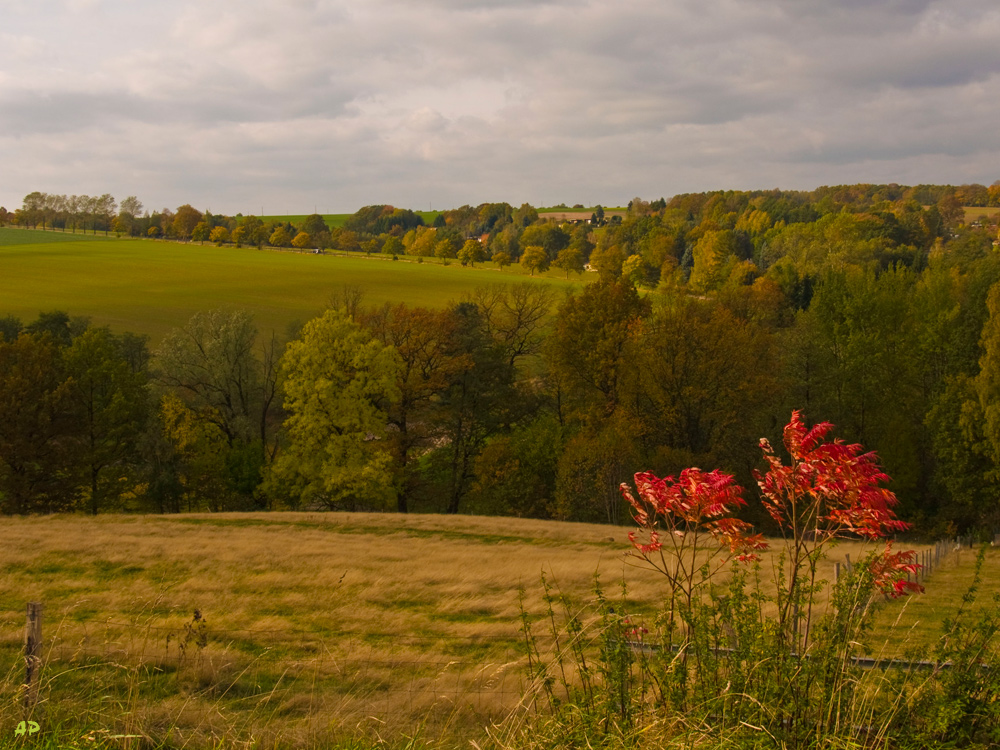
pixel 231 104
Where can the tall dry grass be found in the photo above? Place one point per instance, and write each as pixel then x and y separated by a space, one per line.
pixel 312 626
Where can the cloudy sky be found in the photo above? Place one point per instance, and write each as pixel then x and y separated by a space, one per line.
pixel 287 105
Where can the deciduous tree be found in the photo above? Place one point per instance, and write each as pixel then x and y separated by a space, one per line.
pixel 37 433
pixel 535 259
pixel 424 342
pixel 335 377
pixel 569 259
pixel 110 405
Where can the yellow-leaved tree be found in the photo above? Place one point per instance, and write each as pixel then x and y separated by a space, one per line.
pixel 338 381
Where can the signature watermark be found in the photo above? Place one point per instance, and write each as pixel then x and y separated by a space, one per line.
pixel 26 728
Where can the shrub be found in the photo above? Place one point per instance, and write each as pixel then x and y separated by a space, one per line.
pixel 730 665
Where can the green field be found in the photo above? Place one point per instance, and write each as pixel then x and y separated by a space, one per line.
pixel 975 213
pixel 151 286
pixel 10 236
pixel 338 220
pixel 332 220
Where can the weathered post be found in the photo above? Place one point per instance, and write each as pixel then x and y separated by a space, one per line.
pixel 32 653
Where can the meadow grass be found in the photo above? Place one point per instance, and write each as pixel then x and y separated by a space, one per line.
pixel 911 625
pixel 152 286
pixel 312 627
pixel 12 236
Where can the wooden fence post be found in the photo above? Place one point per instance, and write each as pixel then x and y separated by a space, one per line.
pixel 32 653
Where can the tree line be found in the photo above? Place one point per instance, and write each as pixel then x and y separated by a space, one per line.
pixel 713 316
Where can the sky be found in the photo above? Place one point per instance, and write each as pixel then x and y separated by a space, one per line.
pixel 291 106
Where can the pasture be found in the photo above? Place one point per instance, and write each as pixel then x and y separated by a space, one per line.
pixel 338 220
pixel 151 287
pixel 975 213
pixel 313 627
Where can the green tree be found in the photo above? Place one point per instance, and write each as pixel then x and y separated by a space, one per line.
pixel 515 474
pixel 201 232
pixel 965 476
pixel 551 237
pixel 569 259
pixel 445 249
pixel 213 365
pixel 472 252
pixel 335 377
pixel 393 246
pixel 634 269
pixel 10 328
pixel 869 379
pixel 987 385
pixel 608 261
pixel 587 348
pixel 710 255
pixel 702 385
pixel 512 317
pixel 255 232
pixel 424 341
pixel 481 401
pixel 110 404
pixel 37 432
pixel 315 225
pixel 59 325
pixel 129 210
pixel 502 259
pixel 198 452
pixel 535 259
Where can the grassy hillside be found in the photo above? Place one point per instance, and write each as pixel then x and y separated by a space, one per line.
pixel 309 626
pixel 338 220
pixel 151 287
pixel 12 236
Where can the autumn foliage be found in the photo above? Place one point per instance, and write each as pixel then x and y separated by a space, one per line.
pixel 830 490
pixel 697 502
pixel 827 490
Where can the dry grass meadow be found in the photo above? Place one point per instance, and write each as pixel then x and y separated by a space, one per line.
pixel 312 626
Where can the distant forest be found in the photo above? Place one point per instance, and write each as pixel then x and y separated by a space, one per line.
pixel 710 317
